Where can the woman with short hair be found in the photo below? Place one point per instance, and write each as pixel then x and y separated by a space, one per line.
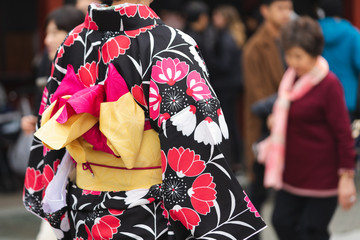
pixel 310 156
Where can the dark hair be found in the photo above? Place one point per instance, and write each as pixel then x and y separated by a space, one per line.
pixel 66 18
pixel 331 8
pixel 168 5
pixel 304 32
pixel 107 2
pixel 194 9
pixel 269 2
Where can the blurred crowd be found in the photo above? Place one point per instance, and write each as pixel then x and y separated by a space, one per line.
pixel 246 57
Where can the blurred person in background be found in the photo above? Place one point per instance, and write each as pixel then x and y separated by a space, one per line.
pixel 226 71
pixel 129 101
pixel 57 26
pixel 342 51
pixel 198 26
pixel 309 156
pixel 170 12
pixel 9 131
pixel 264 66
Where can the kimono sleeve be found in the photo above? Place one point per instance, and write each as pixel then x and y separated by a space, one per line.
pixel 43 162
pixel 202 198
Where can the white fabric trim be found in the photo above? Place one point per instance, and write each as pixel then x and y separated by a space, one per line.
pixel 55 194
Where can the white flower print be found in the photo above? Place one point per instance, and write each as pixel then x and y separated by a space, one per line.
pixel 185 121
pixel 208 132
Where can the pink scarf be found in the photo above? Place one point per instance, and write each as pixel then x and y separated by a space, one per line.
pixel 272 149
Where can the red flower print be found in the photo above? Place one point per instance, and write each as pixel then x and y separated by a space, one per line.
pixel 146 12
pixel 73 35
pixel 169 71
pixel 129 11
pixel 163 162
pixel 251 206
pixel 116 212
pixel 87 74
pixel 154 101
pixel 197 87
pixel 88 232
pixel 165 212
pixel 115 47
pixel 33 180
pixel 56 164
pixel 138 94
pixel 70 40
pixel 203 194
pixel 59 55
pixel 49 173
pixel 52 70
pixel 137 32
pixel 188 217
pixel 163 117
pixel 89 192
pixel 43 101
pixel 105 227
pixel 185 162
pixel 90 24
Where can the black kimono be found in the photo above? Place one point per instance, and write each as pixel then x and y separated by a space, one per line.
pixel 123 81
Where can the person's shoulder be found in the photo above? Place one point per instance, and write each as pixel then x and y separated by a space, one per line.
pixel 331 81
pixel 256 41
pixel 346 25
pixel 328 87
pixel 174 34
pixel 252 41
pixel 331 77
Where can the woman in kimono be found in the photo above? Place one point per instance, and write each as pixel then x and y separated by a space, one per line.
pixel 130 137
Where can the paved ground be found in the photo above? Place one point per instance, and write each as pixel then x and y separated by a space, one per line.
pixel 18 224
pixel 15 222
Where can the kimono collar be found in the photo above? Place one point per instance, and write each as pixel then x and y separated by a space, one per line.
pixel 122 17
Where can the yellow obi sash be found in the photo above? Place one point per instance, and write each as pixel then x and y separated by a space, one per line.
pixel 136 159
pixel 117 177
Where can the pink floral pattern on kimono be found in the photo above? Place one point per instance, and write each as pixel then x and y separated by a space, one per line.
pixel 127 48
pixel 169 71
pixel 197 87
pixel 154 101
pixel 251 206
